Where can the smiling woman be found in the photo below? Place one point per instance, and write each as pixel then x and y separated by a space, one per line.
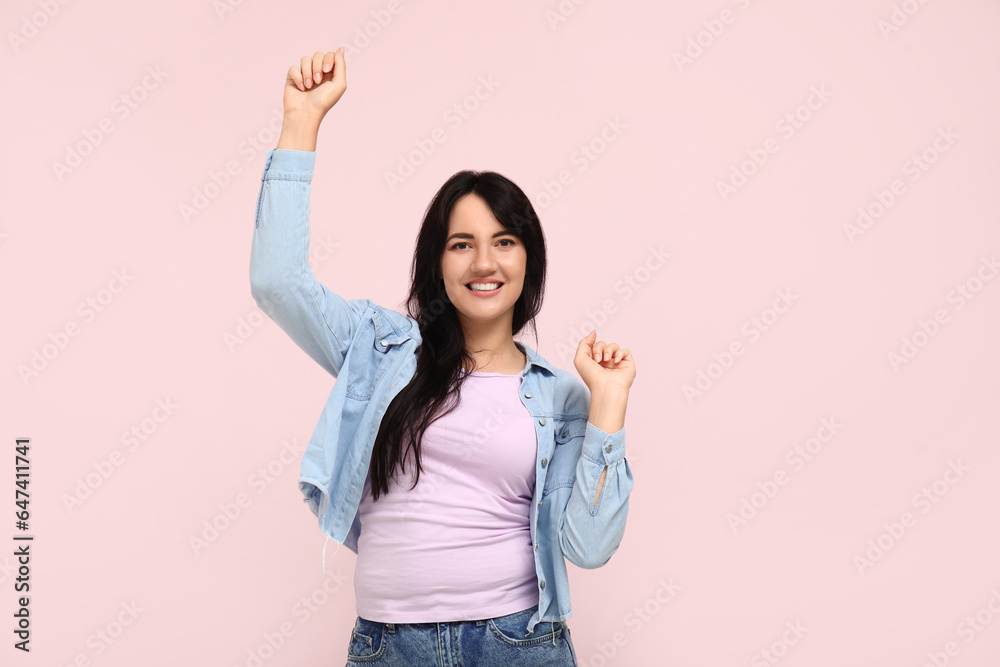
pixel 483 271
pixel 462 467
pixel 479 228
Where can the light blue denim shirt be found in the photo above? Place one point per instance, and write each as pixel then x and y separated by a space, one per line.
pixel 372 353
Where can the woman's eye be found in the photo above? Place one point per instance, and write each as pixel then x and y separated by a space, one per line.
pixel 512 242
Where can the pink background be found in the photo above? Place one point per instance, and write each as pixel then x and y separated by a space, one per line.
pixel 662 130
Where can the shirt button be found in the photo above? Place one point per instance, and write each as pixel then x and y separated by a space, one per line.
pixel 545 462
pixel 541 584
pixel 542 421
pixel 608 448
pixel 539 503
pixel 536 546
pixel 384 343
pixel 527 394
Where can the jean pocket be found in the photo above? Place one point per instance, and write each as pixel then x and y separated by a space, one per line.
pixel 512 629
pixel 367 641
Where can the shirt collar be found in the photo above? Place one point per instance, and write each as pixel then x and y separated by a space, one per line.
pixel 534 359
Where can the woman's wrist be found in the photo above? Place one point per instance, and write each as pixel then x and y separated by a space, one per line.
pixel 607 408
pixel 299 131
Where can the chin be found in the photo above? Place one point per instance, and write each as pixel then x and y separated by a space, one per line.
pixel 485 314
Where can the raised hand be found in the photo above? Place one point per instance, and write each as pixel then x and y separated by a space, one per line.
pixel 604 366
pixel 314 85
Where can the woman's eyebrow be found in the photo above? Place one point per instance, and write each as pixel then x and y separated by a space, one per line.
pixel 463 235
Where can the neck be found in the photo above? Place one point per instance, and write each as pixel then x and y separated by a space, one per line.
pixel 494 350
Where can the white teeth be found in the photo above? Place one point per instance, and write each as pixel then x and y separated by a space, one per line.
pixel 484 287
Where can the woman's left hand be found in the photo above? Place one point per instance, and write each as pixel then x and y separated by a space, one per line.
pixel 603 365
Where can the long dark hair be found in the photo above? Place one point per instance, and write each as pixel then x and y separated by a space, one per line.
pixel 442 357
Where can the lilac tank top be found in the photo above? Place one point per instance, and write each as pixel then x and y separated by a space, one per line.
pixel 456 547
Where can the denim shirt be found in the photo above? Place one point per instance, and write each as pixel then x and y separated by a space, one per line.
pixel 372 353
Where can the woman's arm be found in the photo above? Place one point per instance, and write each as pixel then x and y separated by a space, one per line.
pixel 607 412
pixel 282 283
pixel 595 517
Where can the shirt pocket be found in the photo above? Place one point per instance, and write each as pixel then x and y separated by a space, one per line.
pixel 567 431
pixel 568 434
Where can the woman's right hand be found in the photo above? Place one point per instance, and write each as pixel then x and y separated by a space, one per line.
pixel 314 85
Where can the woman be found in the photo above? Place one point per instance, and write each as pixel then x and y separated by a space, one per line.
pixel 512 465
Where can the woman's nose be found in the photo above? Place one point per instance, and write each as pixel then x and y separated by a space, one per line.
pixel 484 260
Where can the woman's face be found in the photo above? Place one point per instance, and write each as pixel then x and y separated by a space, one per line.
pixel 479 250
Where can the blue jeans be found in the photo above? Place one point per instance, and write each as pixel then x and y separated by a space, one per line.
pixel 492 642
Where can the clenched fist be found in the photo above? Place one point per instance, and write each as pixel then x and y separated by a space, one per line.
pixel 314 85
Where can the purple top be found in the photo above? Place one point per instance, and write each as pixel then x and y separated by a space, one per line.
pixel 457 546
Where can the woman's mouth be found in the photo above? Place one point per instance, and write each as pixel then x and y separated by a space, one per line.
pixel 484 289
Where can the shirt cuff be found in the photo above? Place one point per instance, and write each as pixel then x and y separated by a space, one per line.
pixel 602 447
pixel 289 165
